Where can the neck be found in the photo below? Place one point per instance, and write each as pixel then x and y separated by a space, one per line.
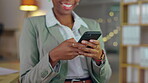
pixel 66 20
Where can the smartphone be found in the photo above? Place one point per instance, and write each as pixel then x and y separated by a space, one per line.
pixel 90 35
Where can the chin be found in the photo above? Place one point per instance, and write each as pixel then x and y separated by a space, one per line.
pixel 66 12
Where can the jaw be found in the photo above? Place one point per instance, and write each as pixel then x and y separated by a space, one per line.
pixel 64 7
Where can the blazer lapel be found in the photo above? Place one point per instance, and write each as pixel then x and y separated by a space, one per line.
pixel 58 36
pixel 56 33
pixel 83 29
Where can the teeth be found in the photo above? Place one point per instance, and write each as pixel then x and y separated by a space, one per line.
pixel 67 5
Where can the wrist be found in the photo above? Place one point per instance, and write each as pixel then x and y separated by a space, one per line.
pixel 53 59
pixel 99 62
pixel 101 58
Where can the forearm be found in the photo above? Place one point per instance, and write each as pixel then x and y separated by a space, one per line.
pixel 38 73
pixel 53 59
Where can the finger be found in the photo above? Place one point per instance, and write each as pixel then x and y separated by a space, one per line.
pixel 73 49
pixel 71 40
pixel 88 44
pixel 103 56
pixel 76 50
pixel 73 54
pixel 70 56
pixel 78 45
pixel 95 42
pixel 97 47
pixel 86 54
pixel 71 44
pixel 90 50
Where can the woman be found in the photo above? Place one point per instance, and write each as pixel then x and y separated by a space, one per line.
pixel 49 52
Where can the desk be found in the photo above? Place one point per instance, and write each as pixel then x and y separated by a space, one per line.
pixel 11 78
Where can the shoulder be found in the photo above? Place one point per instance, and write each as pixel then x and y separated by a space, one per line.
pixel 34 23
pixel 36 18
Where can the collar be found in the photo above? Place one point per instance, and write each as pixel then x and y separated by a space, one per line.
pixel 51 20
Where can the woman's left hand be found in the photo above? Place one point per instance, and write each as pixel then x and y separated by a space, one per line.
pixel 92 49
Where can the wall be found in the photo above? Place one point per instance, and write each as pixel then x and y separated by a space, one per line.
pixel 10 15
pixel 44 6
pixel 12 19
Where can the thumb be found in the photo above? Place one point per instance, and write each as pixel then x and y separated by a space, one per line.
pixel 71 40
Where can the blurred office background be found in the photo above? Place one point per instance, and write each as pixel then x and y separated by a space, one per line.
pixel 105 12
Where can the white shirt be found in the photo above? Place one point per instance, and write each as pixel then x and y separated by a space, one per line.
pixel 77 67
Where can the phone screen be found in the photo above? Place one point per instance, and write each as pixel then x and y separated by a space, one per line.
pixel 90 35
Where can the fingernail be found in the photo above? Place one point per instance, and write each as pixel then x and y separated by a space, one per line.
pixel 84 41
pixel 79 48
pixel 91 40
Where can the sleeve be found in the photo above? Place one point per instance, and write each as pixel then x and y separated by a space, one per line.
pixel 102 72
pixel 32 68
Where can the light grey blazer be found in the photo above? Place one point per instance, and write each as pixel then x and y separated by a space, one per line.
pixel 37 40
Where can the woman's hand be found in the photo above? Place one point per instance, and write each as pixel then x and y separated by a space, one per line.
pixel 93 50
pixel 65 51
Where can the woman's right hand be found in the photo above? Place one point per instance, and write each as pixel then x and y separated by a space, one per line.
pixel 67 50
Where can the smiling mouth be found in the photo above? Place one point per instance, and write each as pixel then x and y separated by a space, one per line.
pixel 67 6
